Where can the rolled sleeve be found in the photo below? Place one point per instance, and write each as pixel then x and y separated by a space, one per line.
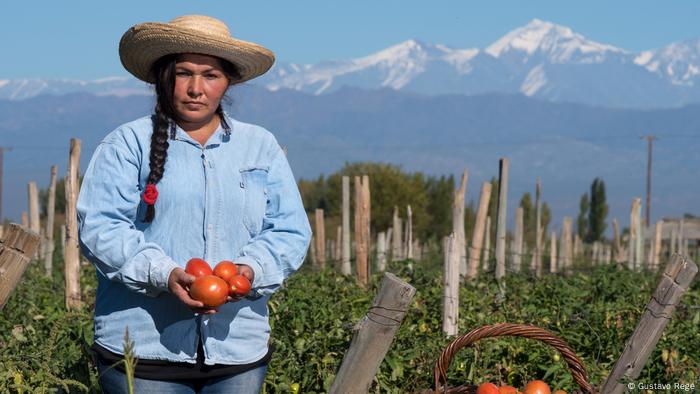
pixel 280 247
pixel 107 208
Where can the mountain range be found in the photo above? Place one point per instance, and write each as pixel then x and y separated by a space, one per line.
pixel 567 145
pixel 541 60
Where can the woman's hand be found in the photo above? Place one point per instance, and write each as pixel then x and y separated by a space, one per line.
pixel 179 283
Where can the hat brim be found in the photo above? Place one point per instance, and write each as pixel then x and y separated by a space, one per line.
pixel 145 43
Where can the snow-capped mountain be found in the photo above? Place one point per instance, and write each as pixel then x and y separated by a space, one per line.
pixel 20 89
pixel 678 62
pixel 541 60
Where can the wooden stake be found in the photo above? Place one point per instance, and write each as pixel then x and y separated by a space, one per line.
pixel 34 224
pixel 478 235
pixel 360 241
pixel 17 248
pixel 381 251
pixel 320 239
pixel 616 242
pixel 487 245
pixel 373 336
pixel 51 210
pixel 71 252
pixel 632 249
pixel 396 237
pixel 518 239
pixel 501 222
pixel 676 279
pixel 639 246
pixel 536 263
pixel 553 253
pixel 345 266
pixel 409 234
pixel 450 298
pixel 458 223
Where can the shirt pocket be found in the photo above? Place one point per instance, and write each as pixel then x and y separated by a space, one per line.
pixel 254 184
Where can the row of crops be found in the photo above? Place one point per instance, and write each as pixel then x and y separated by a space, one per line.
pixel 45 348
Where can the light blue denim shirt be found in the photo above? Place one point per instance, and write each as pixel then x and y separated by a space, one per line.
pixel 233 199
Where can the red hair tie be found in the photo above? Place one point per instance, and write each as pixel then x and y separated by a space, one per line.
pixel 151 194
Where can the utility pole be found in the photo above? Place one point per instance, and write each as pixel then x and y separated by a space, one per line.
pixel 650 141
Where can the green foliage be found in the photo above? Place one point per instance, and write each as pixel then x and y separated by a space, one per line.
pixel 430 198
pixel 45 349
pixel 530 219
pixel 598 212
pixel 582 219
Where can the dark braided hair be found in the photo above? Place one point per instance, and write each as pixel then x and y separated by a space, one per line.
pixel 165 117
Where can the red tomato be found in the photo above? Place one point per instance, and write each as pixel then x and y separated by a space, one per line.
pixel 209 289
pixel 198 267
pixel 487 388
pixel 225 269
pixel 505 389
pixel 537 387
pixel 239 286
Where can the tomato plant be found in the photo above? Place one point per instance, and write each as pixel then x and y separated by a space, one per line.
pixel 211 290
pixel 225 269
pixel 198 267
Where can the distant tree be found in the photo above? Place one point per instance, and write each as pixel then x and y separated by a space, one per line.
pixel 440 196
pixel 529 225
pixel 598 212
pixel 582 220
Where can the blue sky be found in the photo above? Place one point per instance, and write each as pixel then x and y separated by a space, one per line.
pixel 78 39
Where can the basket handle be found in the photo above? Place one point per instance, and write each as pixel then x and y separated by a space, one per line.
pixel 578 371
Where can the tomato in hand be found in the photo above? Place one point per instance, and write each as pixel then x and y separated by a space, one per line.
pixel 537 387
pixel 487 388
pixel 239 286
pixel 225 270
pixel 198 267
pixel 211 290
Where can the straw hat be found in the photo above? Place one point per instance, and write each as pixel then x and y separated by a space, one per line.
pixel 145 43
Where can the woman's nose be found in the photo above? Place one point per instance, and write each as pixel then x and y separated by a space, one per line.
pixel 194 88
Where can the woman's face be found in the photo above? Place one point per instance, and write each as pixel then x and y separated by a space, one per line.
pixel 200 83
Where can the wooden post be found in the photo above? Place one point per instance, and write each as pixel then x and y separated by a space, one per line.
pixel 450 297
pixel 345 266
pixel 320 239
pixel 594 256
pixel 25 220
pixel 366 214
pixel 373 336
pixel 381 251
pixel 458 223
pixel 17 248
pixel 676 279
pixel 632 248
pixel 518 239
pixel 478 235
pixel 361 250
pixel 577 246
pixel 487 245
pixel 639 246
pixel 409 234
pixel 51 209
pixel 338 247
pixel 396 237
pixel 681 237
pixel 312 251
pixel 501 222
pixel 33 193
pixel 536 263
pixel 71 252
pixel 616 242
pixel 553 253
pixel 567 249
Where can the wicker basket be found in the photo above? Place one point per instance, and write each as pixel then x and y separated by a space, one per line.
pixel 577 369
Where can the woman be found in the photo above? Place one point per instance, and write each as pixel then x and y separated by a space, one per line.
pixel 188 181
